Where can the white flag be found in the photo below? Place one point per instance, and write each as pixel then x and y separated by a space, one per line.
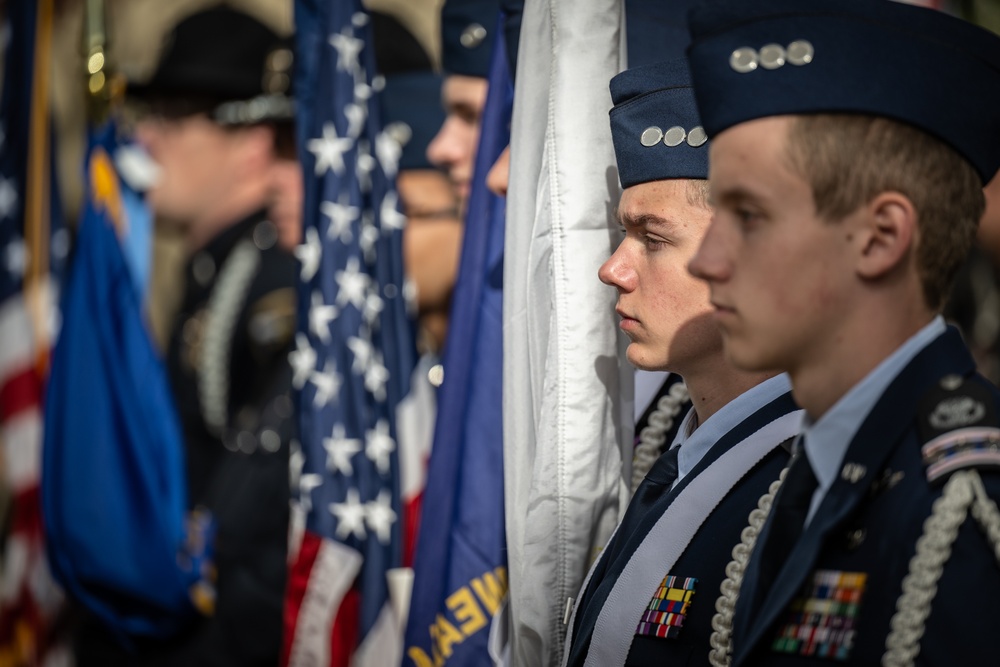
pixel 565 426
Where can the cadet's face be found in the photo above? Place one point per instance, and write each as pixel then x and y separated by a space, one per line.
pixel 498 177
pixel 779 275
pixel 190 152
pixel 285 210
pixel 454 147
pixel 665 311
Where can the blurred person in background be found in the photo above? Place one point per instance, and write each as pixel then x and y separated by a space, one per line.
pixel 217 121
pixel 412 113
pixel 467 34
pixel 432 237
pixel 974 304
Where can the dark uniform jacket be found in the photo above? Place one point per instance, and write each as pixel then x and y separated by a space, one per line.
pixel 704 559
pixel 841 583
pixel 228 365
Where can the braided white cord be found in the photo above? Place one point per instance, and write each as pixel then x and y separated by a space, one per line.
pixel 652 437
pixel 985 511
pixel 721 640
pixel 224 306
pixel 920 584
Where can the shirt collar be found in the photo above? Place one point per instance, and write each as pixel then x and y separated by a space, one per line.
pixel 696 444
pixel 827 439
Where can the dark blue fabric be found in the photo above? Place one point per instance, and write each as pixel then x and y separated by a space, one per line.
pixel 113 487
pixel 414 98
pixel 655 96
pixel 915 65
pixel 656 30
pixel 461 536
pixel 703 558
pixel 15 126
pixel 512 10
pixel 885 520
pixel 473 57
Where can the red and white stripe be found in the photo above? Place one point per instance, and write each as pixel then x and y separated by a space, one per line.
pixel 29 598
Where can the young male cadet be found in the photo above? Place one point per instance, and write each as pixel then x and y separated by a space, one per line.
pixel 650 597
pixel 850 144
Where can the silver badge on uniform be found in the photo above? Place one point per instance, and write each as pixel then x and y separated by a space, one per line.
pixel 956 412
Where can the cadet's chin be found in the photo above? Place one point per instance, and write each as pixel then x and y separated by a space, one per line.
pixel 642 359
pixel 743 356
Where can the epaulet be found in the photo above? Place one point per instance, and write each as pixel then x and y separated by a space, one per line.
pixel 959 428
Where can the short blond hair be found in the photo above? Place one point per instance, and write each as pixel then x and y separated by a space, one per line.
pixel 697 192
pixel 849 159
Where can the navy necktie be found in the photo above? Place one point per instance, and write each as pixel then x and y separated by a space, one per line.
pixel 658 481
pixel 788 517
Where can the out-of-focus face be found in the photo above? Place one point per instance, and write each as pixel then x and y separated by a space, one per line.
pixel 498 177
pixel 989 225
pixel 432 243
pixel 665 311
pixel 194 159
pixel 285 209
pixel 453 149
pixel 781 278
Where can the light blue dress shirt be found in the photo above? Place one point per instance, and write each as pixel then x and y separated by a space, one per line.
pixel 697 443
pixel 827 439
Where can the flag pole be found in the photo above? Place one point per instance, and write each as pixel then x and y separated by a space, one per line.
pixel 104 85
pixel 36 206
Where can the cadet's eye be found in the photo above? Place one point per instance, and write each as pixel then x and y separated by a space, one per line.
pixel 746 216
pixel 653 243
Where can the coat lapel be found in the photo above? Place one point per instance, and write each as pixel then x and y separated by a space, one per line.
pixel 870 448
pixel 602 582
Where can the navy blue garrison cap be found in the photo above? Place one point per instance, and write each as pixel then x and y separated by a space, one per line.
pixel 468 30
pixel 919 66
pixel 411 109
pixel 655 125
pixel 411 99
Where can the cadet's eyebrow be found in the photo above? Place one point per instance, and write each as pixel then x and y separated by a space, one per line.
pixel 463 109
pixel 735 195
pixel 646 220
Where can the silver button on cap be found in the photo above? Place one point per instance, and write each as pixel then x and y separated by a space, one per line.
pixel 800 52
pixel 744 60
pixel 651 136
pixel 697 137
pixel 772 56
pixel 472 36
pixel 674 136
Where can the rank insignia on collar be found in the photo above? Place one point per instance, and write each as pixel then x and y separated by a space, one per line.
pixel 665 614
pixel 821 622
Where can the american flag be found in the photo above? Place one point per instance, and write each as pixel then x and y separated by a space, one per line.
pixel 354 351
pixel 29 231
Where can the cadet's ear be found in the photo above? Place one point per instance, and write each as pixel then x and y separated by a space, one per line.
pixel 888 234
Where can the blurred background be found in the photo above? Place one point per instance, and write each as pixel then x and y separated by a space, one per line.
pixel 136 29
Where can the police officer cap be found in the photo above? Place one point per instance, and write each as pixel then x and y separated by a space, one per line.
pixel 411 99
pixel 655 126
pixel 224 62
pixel 468 30
pixel 773 57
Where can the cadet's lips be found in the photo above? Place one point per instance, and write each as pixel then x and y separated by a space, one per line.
pixel 627 320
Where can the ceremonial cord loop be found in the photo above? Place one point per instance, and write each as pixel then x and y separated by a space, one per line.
pixel 653 436
pixel 224 306
pixel 963 492
pixel 721 640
